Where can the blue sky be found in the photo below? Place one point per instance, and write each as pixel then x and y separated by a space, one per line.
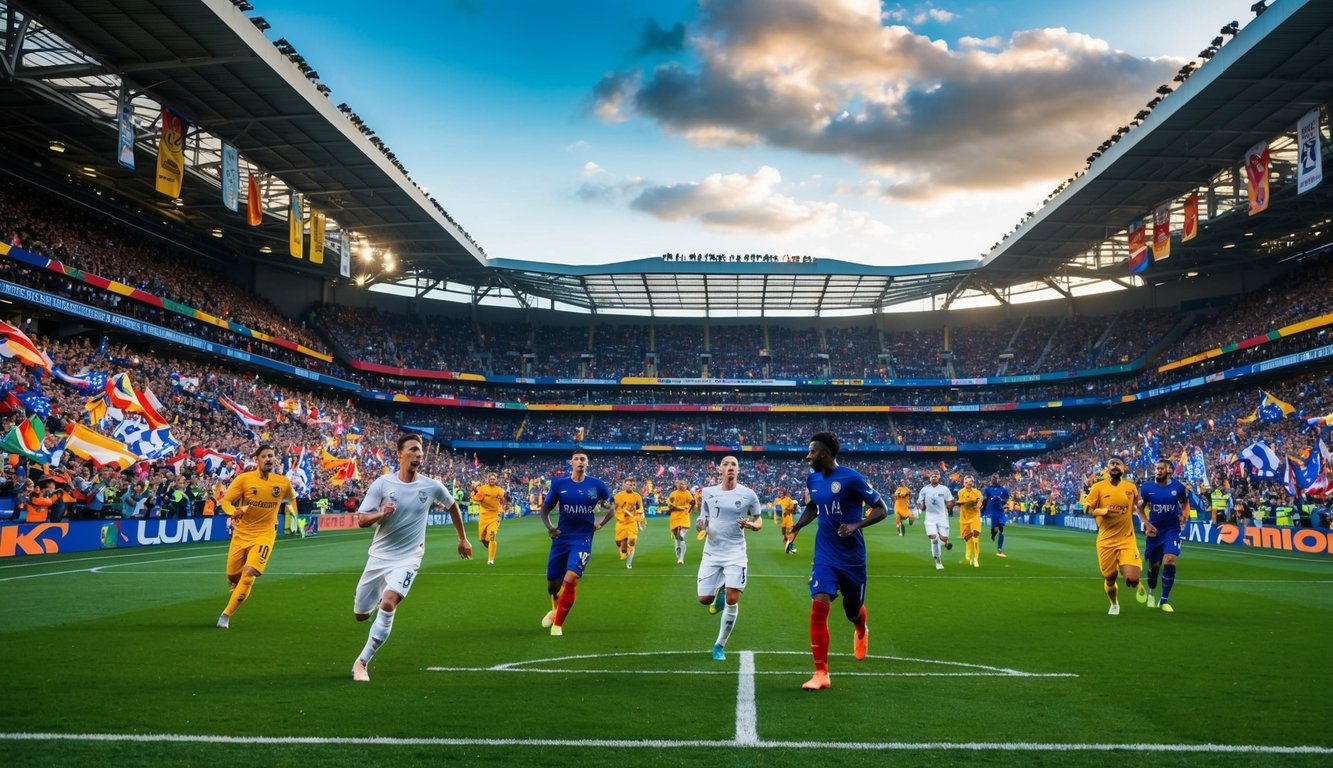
pixel 879 133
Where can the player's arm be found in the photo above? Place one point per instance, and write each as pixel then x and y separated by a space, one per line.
pixel 755 520
pixel 464 546
pixel 544 513
pixel 235 492
pixel 1184 511
pixel 807 516
pixel 374 507
pixel 610 513
pixel 1092 503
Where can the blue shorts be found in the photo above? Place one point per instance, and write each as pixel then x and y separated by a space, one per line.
pixel 996 521
pixel 1164 543
pixel 835 580
pixel 568 553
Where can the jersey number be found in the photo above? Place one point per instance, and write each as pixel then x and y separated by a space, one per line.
pixel 263 552
pixel 583 558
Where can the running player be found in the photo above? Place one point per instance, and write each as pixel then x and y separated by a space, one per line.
pixel 786 508
pixel 902 507
pixel 969 519
pixel 579 498
pixel 681 503
pixel 836 497
pixel 628 505
pixel 993 499
pixel 1114 501
pixel 935 501
pixel 491 498
pixel 252 500
pixel 729 510
pixel 398 505
pixel 1166 504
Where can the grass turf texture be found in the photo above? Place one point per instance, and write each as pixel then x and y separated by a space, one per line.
pixel 121 642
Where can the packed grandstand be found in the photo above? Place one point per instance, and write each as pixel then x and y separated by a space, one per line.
pixel 143 365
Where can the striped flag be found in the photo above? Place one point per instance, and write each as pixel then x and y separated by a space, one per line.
pixel 247 418
pixel 28 439
pixel 1139 258
pixel 148 404
pixel 15 343
pixel 85 381
pixel 98 449
pixel 120 393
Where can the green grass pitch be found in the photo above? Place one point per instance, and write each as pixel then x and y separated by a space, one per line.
pixel 1012 663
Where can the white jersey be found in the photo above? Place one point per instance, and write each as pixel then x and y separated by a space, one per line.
pixel 934 498
pixel 723 509
pixel 402 536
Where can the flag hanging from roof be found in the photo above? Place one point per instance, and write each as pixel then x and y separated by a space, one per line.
pixel 1161 231
pixel 1139 258
pixel 254 211
pixel 15 343
pixel 1191 217
pixel 1256 177
pixel 1310 167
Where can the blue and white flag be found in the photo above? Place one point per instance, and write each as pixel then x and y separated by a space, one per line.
pixel 125 134
pixel 36 402
pixel 1263 461
pixel 155 444
pixel 231 178
pixel 1310 167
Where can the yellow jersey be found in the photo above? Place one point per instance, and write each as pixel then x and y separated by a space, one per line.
pixel 1120 502
pixel 680 502
pixel 629 507
pixel 258 500
pixel 491 500
pixel 902 501
pixel 969 504
pixel 786 507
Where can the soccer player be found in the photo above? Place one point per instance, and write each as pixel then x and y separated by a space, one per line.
pixel 993 499
pixel 398 506
pixel 681 503
pixel 728 511
pixel 836 497
pixel 252 500
pixel 578 497
pixel 786 509
pixel 1114 501
pixel 628 505
pixel 491 498
pixel 902 507
pixel 969 519
pixel 935 501
pixel 1166 504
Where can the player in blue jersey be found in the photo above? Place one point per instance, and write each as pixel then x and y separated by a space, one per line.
pixel 837 496
pixel 993 498
pixel 579 498
pixel 1165 507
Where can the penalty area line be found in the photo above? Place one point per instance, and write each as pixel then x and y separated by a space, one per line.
pixel 867 746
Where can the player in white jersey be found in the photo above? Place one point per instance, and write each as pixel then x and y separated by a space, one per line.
pixel 935 500
pixel 727 511
pixel 398 505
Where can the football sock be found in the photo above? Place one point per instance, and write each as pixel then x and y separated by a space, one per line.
pixel 379 632
pixel 860 621
pixel 678 547
pixel 935 548
pixel 819 635
pixel 630 560
pixel 729 614
pixel 1110 590
pixel 555 600
pixel 999 544
pixel 1168 579
pixel 565 602
pixel 1152 579
pixel 239 594
pixel 993 532
pixel 490 550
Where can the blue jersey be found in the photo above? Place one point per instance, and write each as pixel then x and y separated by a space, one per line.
pixel 1164 504
pixel 993 498
pixel 840 497
pixel 578 504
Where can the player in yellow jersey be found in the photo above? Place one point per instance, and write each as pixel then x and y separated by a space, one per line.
pixel 1113 502
pixel 902 507
pixel 968 504
pixel 252 500
pixel 786 508
pixel 491 498
pixel 681 502
pixel 629 520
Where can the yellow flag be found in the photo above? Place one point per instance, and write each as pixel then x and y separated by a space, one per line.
pixel 316 236
pixel 295 231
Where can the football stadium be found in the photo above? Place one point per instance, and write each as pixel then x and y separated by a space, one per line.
pixel 1061 502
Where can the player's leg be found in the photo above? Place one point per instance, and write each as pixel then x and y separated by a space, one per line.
pixel 1152 552
pixel 1131 565
pixel 999 543
pixel 235 565
pixel 398 582
pixel 852 585
pixel 678 543
pixel 934 546
pixel 822 583
pixel 1169 574
pixel 256 557
pixel 734 579
pixel 1109 565
pixel 555 578
pixel 631 541
pixel 575 561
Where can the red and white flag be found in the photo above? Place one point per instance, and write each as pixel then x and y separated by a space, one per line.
pixel 247 418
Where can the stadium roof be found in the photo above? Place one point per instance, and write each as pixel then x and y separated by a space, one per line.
pixel 205 58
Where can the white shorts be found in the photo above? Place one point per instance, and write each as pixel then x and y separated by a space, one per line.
pixel 382 576
pixel 937 527
pixel 713 576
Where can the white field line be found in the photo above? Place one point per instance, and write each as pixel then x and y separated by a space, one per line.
pixel 747 715
pixel 899 746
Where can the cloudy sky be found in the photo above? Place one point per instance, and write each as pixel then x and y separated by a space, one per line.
pixel 880 133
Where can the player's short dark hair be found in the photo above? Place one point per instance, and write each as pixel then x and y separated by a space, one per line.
pixel 1167 462
pixel 829 441
pixel 261 449
pixel 1114 457
pixel 578 451
pixel 407 438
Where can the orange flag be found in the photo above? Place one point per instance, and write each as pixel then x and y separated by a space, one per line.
pixel 1191 217
pixel 254 214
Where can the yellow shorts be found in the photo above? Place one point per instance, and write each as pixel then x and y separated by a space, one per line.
pixel 786 522
pixel 487 528
pixel 248 553
pixel 680 520
pixel 630 532
pixel 972 527
pixel 1111 558
pixel 903 515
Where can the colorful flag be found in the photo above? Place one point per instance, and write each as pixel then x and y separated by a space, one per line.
pixel 98 449
pixel 254 211
pixel 33 400
pixel 1161 232
pixel 87 382
pixel 213 460
pixel 316 236
pixel 125 133
pixel 1256 177
pixel 28 439
pixel 15 343
pixel 1260 460
pixel 1139 258
pixel 1273 409
pixel 231 178
pixel 148 404
pixel 247 418
pixel 171 153
pixel 1191 217
pixel 1310 167
pixel 295 230
pixel 120 393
